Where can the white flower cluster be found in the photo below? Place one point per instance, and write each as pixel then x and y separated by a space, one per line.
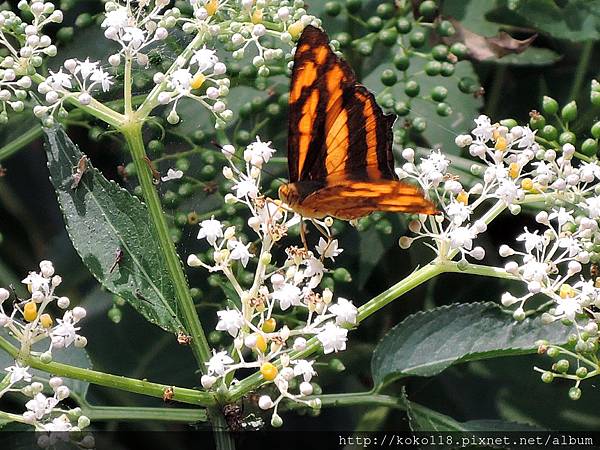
pixel 551 265
pixel 26 46
pixel 80 80
pixel 507 176
pixel 259 341
pixel 44 412
pixel 201 80
pixel 137 25
pixel 28 322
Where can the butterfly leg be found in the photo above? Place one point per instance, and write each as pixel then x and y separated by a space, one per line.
pixel 324 230
pixel 303 235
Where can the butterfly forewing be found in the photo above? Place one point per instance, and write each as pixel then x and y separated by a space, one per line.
pixel 338 137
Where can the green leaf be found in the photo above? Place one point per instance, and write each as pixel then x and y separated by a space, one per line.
pixel 102 218
pixel 426 343
pixel 574 20
pixel 533 56
pixel 421 418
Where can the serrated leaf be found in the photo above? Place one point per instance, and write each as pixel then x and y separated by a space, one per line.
pixel 421 418
pixel 426 343
pixel 101 218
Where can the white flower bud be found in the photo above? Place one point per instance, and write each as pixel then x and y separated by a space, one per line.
pixel 55 382
pixel 306 388
pixel 114 60
pixel 207 381
pixel 542 217
pixel 408 154
pixel 36 387
pixel 512 267
pixel 161 33
pixel 508 299
pixel 299 344
pixel 56 280
pixel 84 98
pixel 4 319
pixel 287 373
pixel 478 253
pixel 63 302
pixel 193 261
pixel 505 251
pixel 519 314
pixel 405 242
pixel 574 267
pixel 250 340
pixel 219 68
pixel 229 233
pixel 29 417
pixel 534 287
pixel 52 97
pixel 463 140
pixel 259 30
pixel 79 313
pixel 327 296
pixel 80 341
pixel 70 65
pixel 265 402
pixel 164 98
pixel 4 294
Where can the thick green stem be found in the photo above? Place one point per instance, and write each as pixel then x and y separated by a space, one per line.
pixel 221 432
pixel 199 344
pixel 129 414
pixel 143 387
pixel 582 68
pixel 369 398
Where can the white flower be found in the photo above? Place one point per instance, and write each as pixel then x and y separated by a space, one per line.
pixel 210 229
pixel 345 312
pixel 172 175
pixel 85 68
pixel 532 240
pixel 333 338
pixel 41 405
pixel 216 364
pixel 314 270
pixel 304 368
pixel 562 215
pixel 36 282
pixel 258 149
pixel 593 206
pixel 102 77
pixel 204 58
pixel 534 271
pixel 58 424
pixel 328 249
pixel 181 80
pixel 230 320
pixel 65 332
pixel 287 295
pixel 246 187
pixel 18 373
pixel 59 80
pixel 462 237
pixel 117 18
pixel 527 138
pixel 568 307
pixel 458 212
pixel 239 251
pixel 484 129
pixel 507 191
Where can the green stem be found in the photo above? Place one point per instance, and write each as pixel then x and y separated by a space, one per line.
pixel 143 387
pixel 151 101
pixel 17 144
pixel 199 344
pixel 222 434
pixel 118 413
pixel 478 269
pixel 127 86
pixel 581 70
pixel 355 399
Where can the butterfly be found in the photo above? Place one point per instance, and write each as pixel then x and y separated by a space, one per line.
pixel 340 143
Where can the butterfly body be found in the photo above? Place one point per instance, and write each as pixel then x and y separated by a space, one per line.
pixel 340 143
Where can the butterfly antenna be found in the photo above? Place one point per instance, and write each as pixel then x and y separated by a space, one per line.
pixel 239 158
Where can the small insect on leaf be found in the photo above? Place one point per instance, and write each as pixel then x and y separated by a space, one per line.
pixel 118 258
pixel 78 171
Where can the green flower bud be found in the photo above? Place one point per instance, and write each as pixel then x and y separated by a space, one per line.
pixel 581 372
pixel 389 77
pixel 388 36
pixel 446 29
pixel 417 38
pixel 574 393
pixel 443 109
pixel 549 105
pixel 401 108
pixel 374 24
pixel 562 365
pixel 401 61
pixel 385 10
pixel 333 8
pixel 353 6
pixel 569 112
pixel 547 377
pixel 439 93
pixel 440 52
pixel 567 137
pixel 412 88
pixel 595 130
pixel 459 50
pixel 537 121
pixel 419 124
pixel 403 25
pixel 342 275
pixel 428 9
pixel 589 147
pixel 433 68
pixel 115 314
pixel 549 132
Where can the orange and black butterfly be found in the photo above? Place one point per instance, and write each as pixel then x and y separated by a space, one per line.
pixel 340 142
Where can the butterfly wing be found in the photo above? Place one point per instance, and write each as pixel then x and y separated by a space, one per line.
pixel 339 135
